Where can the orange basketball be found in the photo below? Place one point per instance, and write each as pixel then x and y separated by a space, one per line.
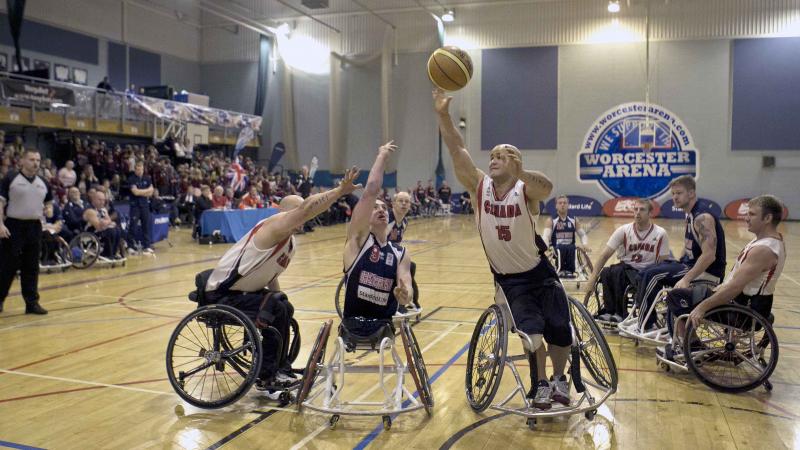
pixel 450 68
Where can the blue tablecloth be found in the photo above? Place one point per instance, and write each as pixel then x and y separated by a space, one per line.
pixel 233 224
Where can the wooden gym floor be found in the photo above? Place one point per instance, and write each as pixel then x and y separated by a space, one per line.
pixel 91 374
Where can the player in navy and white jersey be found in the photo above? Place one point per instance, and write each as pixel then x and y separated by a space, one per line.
pixel 506 201
pixel 246 277
pixel 377 271
pixel 560 232
pixel 638 245
pixel 398 223
pixel 752 280
pixel 703 256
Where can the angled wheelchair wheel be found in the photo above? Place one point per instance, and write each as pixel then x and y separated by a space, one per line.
pixel 734 349
pixel 63 254
pixel 85 249
pixel 594 302
pixel 340 297
pixel 315 358
pixel 486 358
pixel 417 367
pixel 213 356
pixel 593 348
pixel 584 262
pixel 294 340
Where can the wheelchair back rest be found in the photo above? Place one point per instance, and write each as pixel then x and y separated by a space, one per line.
pixel 365 333
pixel 502 302
pixel 200 280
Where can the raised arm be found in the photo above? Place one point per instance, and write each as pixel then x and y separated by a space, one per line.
pixel 404 292
pixel 466 171
pixel 707 234
pixel 358 230
pixel 283 224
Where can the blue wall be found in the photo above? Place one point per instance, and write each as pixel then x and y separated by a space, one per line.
pixel 54 41
pixel 766 98
pixel 519 98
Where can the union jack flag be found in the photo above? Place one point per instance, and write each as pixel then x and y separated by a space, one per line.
pixel 237 175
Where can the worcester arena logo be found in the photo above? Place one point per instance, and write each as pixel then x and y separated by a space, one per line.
pixel 634 150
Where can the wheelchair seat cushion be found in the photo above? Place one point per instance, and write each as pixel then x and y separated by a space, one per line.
pixel 200 281
pixel 365 331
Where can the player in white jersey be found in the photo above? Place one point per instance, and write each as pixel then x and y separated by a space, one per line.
pixel 506 201
pixel 753 278
pixel 638 244
pixel 246 277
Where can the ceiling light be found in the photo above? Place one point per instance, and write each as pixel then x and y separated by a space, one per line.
pixel 449 16
pixel 613 6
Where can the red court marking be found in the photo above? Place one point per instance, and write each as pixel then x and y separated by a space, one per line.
pixel 96 344
pixel 121 301
pixel 67 391
pixel 774 406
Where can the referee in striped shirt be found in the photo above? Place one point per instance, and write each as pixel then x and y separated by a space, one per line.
pixel 22 198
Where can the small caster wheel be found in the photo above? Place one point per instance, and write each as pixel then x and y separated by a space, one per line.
pixel 768 386
pixel 635 342
pixel 762 362
pixel 333 421
pixel 590 414
pixel 387 423
pixel 531 422
pixel 180 411
pixel 285 398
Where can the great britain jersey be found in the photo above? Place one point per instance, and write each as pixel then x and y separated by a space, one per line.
pixel 563 231
pixel 396 229
pixel 692 248
pixel 371 279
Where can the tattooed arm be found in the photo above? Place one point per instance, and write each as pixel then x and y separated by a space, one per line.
pixel 707 235
pixel 282 225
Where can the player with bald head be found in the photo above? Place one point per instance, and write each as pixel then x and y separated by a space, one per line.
pixel 246 277
pixel 401 205
pixel 506 203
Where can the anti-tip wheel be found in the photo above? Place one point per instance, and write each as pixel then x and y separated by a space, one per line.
pixel 333 421
pixel 531 422
pixel 768 386
pixel 590 414
pixel 387 423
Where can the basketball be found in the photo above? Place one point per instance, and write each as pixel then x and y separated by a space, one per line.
pixel 450 68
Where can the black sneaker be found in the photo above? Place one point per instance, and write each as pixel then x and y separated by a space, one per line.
pixel 34 308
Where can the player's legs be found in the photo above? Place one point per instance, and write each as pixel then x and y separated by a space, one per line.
pixel 566 259
pixel 652 280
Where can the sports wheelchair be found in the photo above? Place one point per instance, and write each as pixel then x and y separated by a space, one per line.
pixel 583 264
pixel 488 355
pixel 214 355
pixel 595 302
pixel 324 383
pixel 635 325
pixel 734 349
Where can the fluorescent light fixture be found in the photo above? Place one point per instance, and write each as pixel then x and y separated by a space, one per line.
pixel 449 16
pixel 613 6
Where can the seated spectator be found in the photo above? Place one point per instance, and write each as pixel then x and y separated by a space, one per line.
pixel 186 205
pixel 466 203
pixel 52 226
pixel 67 175
pixel 99 221
pixel 219 200
pixel 73 211
pixel 203 201
pixel 251 200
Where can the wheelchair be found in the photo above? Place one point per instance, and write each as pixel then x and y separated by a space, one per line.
pixel 596 301
pixel 324 382
pixel 634 326
pixel 214 355
pixel 734 349
pixel 87 249
pixel 488 356
pixel 59 260
pixel 583 265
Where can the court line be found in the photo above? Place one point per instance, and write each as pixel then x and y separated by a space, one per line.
pixel 308 438
pixel 68 391
pixel 96 384
pixel 96 344
pixel 18 446
pixel 251 424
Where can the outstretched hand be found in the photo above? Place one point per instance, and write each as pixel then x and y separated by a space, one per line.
pixel 441 101
pixel 515 164
pixel 387 148
pixel 347 186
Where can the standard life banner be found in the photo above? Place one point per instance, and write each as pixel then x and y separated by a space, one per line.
pixel 43 94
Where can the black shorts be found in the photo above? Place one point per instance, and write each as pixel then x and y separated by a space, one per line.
pixel 538 303
pixel 247 302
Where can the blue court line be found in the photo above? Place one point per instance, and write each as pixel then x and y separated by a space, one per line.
pixel 372 435
pixel 19 446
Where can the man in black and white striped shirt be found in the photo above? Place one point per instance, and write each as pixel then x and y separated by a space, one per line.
pixel 23 195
